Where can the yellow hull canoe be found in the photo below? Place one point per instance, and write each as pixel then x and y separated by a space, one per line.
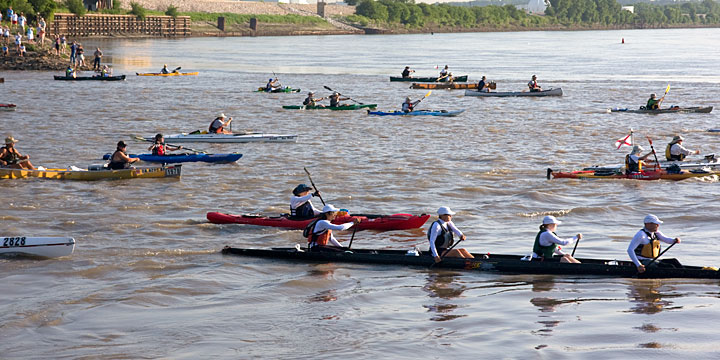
pixel 168 74
pixel 65 174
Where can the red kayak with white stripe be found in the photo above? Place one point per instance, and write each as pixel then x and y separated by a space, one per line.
pixel 368 222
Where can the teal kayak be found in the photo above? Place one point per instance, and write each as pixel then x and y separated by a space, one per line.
pixel 343 107
pixel 418 113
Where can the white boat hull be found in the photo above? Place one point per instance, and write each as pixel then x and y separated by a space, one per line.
pixel 228 138
pixel 37 246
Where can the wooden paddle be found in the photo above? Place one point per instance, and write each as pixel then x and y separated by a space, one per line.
pixel 659 255
pixel 657 163
pixel 327 87
pixel 140 138
pixel 313 185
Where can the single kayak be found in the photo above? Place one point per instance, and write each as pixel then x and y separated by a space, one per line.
pixel 181 158
pixel 640 175
pixel 418 113
pixel 227 138
pixel 368 222
pixel 97 172
pixel 37 246
pixel 343 107
pixel 549 92
pixel 496 263
pixel 97 78
pixel 278 90
pixel 8 107
pixel 462 78
pixel 168 74
pixel 444 86
pixel 671 110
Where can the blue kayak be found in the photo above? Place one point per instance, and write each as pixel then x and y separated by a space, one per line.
pixel 418 113
pixel 180 158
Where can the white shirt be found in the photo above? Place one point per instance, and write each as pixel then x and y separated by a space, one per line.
pixel 641 239
pixel 547 238
pixel 678 149
pixel 296 201
pixel 326 225
pixel 443 72
pixel 435 229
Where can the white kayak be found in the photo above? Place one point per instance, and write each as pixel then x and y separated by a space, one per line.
pixel 227 138
pixel 548 92
pixel 709 162
pixel 37 246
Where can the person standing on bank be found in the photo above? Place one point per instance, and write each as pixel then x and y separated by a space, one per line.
pixel 547 241
pixel 440 236
pixel 645 245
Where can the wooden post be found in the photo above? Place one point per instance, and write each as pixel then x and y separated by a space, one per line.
pixel 221 23
pixel 253 24
pixel 321 9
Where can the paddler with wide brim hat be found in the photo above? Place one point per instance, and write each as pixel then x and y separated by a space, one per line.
pixel 11 158
pixel 634 161
pixel 441 238
pixel 675 151
pixel 319 232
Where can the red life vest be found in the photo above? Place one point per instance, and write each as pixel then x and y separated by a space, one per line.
pixel 159 150
pixel 322 238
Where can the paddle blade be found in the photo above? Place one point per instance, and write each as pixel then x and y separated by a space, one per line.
pixel 667 90
pixel 326 87
pixel 428 94
pixel 177 68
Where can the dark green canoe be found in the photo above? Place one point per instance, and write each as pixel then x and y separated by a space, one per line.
pixel 279 90
pixel 429 79
pixel 344 107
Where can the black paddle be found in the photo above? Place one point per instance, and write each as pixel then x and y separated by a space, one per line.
pixel 343 95
pixel 138 137
pixel 177 68
pixel 659 255
pixel 313 184
pixel 353 236
pixel 442 257
pixel 575 248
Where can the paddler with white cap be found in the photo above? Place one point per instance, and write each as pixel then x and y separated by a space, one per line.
pixel 218 125
pixel 319 232
pixel 547 241
pixel 645 245
pixel 440 236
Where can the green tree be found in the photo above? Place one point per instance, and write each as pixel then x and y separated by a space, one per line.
pixel 138 10
pixel 172 11
pixel 76 7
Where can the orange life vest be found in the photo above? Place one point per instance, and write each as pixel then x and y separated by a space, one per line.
pixel 322 238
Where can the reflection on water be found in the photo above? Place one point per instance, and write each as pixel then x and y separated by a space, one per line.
pixel 648 298
pixel 545 305
pixel 442 286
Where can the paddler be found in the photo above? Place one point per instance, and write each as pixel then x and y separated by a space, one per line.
pixel 483 86
pixel 301 207
pixel 406 73
pixel 335 99
pixel 653 102
pixel 533 84
pixel 409 105
pixel 547 241
pixel 645 245
pixel 218 125
pixel 164 70
pixel 70 72
pixel 11 158
pixel 320 237
pixel 676 152
pixel 440 236
pixel 633 160
pixel 119 159
pixel 159 148
pixel 445 73
pixel 311 101
pixel 272 84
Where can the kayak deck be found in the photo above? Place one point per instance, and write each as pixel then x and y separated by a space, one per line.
pixel 37 246
pixel 228 138
pixel 96 78
pixel 462 78
pixel 549 92
pixel 342 107
pixel 100 174
pixel 168 74
pixel 368 222
pixel 181 158
pixel 619 174
pixel 418 113
pixel 674 110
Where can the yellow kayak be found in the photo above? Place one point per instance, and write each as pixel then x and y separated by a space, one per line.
pixel 168 74
pixel 85 174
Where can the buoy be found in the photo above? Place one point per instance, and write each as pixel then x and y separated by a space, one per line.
pixel 623 40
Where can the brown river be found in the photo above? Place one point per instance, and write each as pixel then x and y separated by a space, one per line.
pixel 147 279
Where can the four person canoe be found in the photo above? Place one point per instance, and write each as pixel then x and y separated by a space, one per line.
pixel 228 138
pixel 549 92
pixel 37 246
pixel 343 107
pixel 444 86
pixel 368 222
pixel 418 113
pixel 669 268
pixel 462 78
pixel 672 110
pixel 279 90
pixel 100 174
pixel 641 175
pixel 181 158
pixel 168 74
pixel 97 78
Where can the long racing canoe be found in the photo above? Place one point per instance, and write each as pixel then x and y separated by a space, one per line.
pixel 640 175
pixel 418 113
pixel 278 90
pixel 168 74
pixel 342 107
pixel 181 158
pixel 8 107
pixel 96 78
pixel 227 138
pixel 671 110
pixel 100 174
pixel 444 86
pixel 462 78
pixel 494 263
pixel 549 92
pixel 368 222
pixel 37 246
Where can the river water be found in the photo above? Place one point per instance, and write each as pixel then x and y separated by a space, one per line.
pixel 147 279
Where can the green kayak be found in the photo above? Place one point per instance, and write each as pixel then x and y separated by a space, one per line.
pixel 343 107
pixel 279 90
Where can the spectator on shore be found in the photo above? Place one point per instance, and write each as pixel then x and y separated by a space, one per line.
pixel 30 35
pixel 21 21
pixel 10 12
pixel 57 45
pixel 22 51
pixel 6 35
pixel 80 55
pixel 18 42
pixel 13 19
pixel 41 32
pixel 98 55
pixel 73 53
pixel 63 44
pixel 4 50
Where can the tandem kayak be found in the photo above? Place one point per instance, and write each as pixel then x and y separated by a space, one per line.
pixel 181 158
pixel 462 78
pixel 97 78
pixel 279 90
pixel 496 263
pixel 640 175
pixel 418 113
pixel 168 74
pixel 37 246
pixel 343 107
pixel 97 172
pixel 227 138
pixel 8 107
pixel 444 86
pixel 672 110
pixel 368 222
pixel 549 92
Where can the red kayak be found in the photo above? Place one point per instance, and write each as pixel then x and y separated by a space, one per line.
pixel 368 222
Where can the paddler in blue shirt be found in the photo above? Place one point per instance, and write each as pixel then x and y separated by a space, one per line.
pixel 483 86
pixel 440 236
pixel 70 72
pixel 272 85
pixel 300 205
pixel 164 70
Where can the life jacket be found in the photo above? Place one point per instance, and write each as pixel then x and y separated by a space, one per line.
pixel 671 157
pixel 650 250
pixel 444 239
pixel 334 101
pixel 304 211
pixel 158 149
pixel 533 85
pixel 632 166
pixel 117 165
pixel 652 104
pixel 309 101
pixel 213 130
pixel 407 107
pixel 10 157
pixel 543 251
pixel 316 239
pixel 406 73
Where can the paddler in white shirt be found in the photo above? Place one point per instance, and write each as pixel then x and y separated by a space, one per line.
pixel 633 161
pixel 321 237
pixel 645 245
pixel 676 152
pixel 440 236
pixel 547 241
pixel 300 205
